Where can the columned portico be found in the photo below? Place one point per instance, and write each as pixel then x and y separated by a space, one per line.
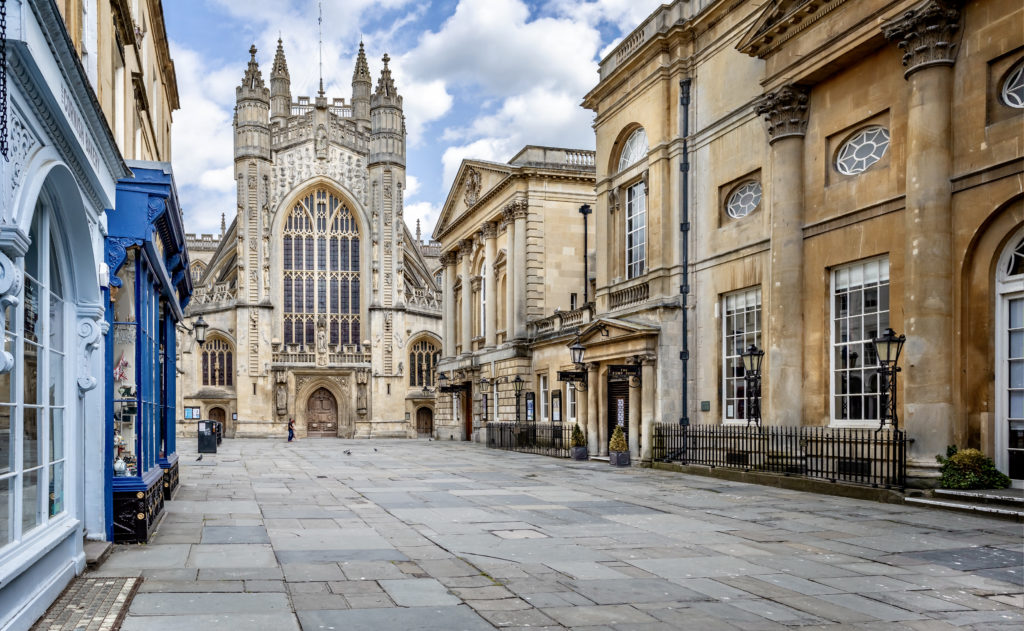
pixel 929 36
pixel 466 255
pixel 785 112
pixel 489 232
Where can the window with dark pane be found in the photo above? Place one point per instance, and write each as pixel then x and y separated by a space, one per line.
pixel 422 360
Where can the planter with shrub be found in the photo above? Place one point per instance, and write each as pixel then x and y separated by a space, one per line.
pixel 618 449
pixel 969 469
pixel 578 442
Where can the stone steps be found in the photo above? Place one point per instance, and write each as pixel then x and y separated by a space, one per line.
pixel 1005 503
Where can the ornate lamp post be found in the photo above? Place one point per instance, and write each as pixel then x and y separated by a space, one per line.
pixel 752 359
pixel 199 328
pixel 517 385
pixel 888 347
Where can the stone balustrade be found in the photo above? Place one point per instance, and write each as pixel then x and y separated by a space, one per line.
pixel 634 294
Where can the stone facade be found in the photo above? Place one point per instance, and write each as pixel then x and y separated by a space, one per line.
pixel 512 240
pixel 316 293
pixel 853 166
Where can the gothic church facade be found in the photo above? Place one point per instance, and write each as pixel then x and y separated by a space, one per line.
pixel 321 306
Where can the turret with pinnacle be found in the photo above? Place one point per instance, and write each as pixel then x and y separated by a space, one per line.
pixel 362 84
pixel 387 122
pixel 252 113
pixel 280 88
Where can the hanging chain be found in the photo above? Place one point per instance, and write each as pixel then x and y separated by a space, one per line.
pixel 3 78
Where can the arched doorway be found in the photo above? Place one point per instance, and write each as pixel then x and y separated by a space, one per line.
pixel 218 414
pixel 321 414
pixel 425 422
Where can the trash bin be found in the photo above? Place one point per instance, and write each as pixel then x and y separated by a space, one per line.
pixel 207 437
pixel 219 429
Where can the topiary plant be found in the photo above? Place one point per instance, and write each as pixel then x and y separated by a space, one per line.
pixel 618 441
pixel 969 469
pixel 577 439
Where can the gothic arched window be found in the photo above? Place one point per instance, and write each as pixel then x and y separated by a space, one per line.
pixel 422 359
pixel 321 271
pixel 197 269
pixel 218 364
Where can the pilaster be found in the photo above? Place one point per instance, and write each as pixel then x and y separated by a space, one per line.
pixel 489 234
pixel 466 255
pixel 593 410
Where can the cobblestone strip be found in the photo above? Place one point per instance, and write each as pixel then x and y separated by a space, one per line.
pixel 91 604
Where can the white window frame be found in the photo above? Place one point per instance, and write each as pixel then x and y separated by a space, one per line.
pixel 636 213
pixel 48 525
pixel 571 410
pixel 634 149
pixel 750 300
pixel 545 404
pixel 1007 288
pixel 851 268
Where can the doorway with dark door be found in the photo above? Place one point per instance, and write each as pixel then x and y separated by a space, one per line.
pixel 618 401
pixel 322 415
pixel 219 415
pixel 466 402
pixel 425 422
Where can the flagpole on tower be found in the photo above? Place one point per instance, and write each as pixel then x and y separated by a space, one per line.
pixel 320 34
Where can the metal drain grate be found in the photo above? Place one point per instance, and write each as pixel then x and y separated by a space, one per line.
pixel 91 604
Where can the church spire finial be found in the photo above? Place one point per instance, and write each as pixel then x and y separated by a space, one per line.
pixel 223 224
pixel 418 233
pixel 252 79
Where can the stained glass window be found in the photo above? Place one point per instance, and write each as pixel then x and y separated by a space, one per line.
pixel 217 363
pixel 321 271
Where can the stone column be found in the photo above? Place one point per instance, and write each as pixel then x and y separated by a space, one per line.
pixel 466 252
pixel 647 403
pixel 786 114
pixel 635 414
pixel 519 213
pixel 929 35
pixel 510 276
pixel 601 392
pixel 448 260
pixel 581 411
pixel 490 234
pixel 593 411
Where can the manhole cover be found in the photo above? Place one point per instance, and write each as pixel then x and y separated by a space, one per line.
pixel 91 604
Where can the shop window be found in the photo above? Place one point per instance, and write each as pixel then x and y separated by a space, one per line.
pixel 218 364
pixel 1013 87
pixel 544 409
pixel 860 311
pixel 321 281
pixel 861 150
pixel 741 327
pixel 636 230
pixel 422 362
pixel 744 199
pixel 33 414
pixel 634 150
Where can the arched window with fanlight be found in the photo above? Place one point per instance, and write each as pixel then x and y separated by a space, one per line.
pixel 634 150
pixel 423 358
pixel 321 271
pixel 217 363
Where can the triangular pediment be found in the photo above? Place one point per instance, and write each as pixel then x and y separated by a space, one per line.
pixel 776 19
pixel 472 185
pixel 612 329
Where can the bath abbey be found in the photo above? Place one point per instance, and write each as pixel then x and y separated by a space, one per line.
pixel 321 307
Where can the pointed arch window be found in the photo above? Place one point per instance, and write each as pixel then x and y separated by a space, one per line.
pixel 197 269
pixel 218 363
pixel 422 361
pixel 634 150
pixel 320 252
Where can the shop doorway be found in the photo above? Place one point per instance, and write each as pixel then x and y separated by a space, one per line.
pixel 466 400
pixel 322 415
pixel 425 422
pixel 618 405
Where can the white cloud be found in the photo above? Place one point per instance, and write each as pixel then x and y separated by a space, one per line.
pixel 494 149
pixel 426 212
pixel 412 186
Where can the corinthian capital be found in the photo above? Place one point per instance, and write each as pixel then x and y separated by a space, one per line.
pixel 489 230
pixel 785 112
pixel 928 35
pixel 517 208
pixel 466 247
pixel 449 258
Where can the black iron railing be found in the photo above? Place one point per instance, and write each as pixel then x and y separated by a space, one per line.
pixel 548 439
pixel 851 455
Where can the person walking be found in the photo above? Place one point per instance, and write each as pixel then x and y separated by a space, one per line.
pixel 291 429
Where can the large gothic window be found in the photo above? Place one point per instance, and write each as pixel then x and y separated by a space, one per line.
pixel 217 363
pixel 321 271
pixel 422 359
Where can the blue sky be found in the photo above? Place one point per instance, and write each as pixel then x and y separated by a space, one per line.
pixel 479 78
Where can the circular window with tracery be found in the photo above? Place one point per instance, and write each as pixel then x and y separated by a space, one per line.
pixel 1013 87
pixel 863 149
pixel 744 199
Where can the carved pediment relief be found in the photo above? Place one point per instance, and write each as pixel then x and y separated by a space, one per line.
pixel 778 21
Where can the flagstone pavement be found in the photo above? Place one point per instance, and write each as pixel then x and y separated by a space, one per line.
pixel 272 536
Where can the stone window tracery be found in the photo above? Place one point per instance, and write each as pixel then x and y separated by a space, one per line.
pixel 197 269
pixel 744 199
pixel 321 271
pixel 634 150
pixel 218 363
pixel 863 149
pixel 422 362
pixel 1015 266
pixel 1013 87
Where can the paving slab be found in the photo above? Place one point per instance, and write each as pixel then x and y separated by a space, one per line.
pixel 420 618
pixel 418 592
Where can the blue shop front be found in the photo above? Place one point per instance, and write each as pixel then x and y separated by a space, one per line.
pixel 149 289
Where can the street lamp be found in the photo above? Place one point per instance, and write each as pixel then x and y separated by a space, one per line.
pixel 517 385
pixel 577 351
pixel 752 359
pixel 888 347
pixel 199 328
pixel 442 382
